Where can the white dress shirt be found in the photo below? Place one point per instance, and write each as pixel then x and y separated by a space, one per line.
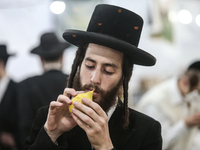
pixel 3 86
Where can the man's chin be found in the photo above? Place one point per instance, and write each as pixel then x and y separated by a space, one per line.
pixel 96 99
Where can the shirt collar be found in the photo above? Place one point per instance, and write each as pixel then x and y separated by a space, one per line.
pixel 111 110
pixel 3 86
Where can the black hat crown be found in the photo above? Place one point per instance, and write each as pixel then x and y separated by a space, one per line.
pixel 113 27
pixel 48 40
pixel 50 46
pixel 3 52
pixel 116 22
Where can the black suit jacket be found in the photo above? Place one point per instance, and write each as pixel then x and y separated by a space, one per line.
pixel 36 92
pixel 8 111
pixel 8 108
pixel 143 133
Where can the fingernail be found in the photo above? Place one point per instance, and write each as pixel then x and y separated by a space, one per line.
pixel 75 93
pixel 75 103
pixel 60 104
pixel 83 99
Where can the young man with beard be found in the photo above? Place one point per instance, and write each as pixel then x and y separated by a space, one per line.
pixel 103 63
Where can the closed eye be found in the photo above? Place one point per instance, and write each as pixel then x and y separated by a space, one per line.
pixel 90 67
pixel 109 73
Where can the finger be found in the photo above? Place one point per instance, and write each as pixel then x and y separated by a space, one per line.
pixel 79 92
pixel 55 104
pixel 78 116
pixel 86 110
pixel 70 92
pixel 64 99
pixel 61 101
pixel 88 116
pixel 94 106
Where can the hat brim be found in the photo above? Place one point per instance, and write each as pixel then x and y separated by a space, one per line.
pixel 7 56
pixel 56 50
pixel 13 54
pixel 137 56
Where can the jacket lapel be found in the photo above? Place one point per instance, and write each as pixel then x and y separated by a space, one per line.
pixel 118 134
pixel 78 139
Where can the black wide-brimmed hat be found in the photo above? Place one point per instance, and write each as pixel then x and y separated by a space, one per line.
pixel 50 46
pixel 3 52
pixel 113 27
pixel 195 65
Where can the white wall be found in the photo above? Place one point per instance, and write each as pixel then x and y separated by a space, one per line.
pixel 20 29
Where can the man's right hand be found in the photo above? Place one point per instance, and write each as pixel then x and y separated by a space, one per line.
pixel 7 139
pixel 59 118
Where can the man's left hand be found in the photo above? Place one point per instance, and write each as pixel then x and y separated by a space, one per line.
pixel 94 121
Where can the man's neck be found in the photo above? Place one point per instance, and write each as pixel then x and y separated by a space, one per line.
pixel 2 74
pixel 52 65
pixel 4 81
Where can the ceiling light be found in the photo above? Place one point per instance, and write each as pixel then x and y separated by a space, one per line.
pixel 185 17
pixel 57 7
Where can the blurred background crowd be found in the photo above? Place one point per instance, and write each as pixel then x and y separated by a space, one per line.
pixel 171 33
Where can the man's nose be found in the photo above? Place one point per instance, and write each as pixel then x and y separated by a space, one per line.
pixel 95 77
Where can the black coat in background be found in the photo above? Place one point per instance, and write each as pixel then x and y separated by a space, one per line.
pixel 36 92
pixel 8 111
pixel 143 133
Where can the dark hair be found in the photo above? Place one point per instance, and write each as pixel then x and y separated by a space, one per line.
pixel 52 58
pixel 80 54
pixel 194 78
pixel 4 60
pixel 127 72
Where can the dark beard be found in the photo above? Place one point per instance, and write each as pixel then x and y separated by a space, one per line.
pixel 108 98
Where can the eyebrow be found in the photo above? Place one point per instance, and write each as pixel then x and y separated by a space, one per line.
pixel 106 64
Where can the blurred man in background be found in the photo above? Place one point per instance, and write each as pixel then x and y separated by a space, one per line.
pixel 40 90
pixel 8 105
pixel 175 103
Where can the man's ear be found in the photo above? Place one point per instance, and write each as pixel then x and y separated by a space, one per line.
pixel 42 61
pixel 185 81
pixel 61 57
pixel 1 61
pixel 2 65
pixel 185 85
pixel 79 67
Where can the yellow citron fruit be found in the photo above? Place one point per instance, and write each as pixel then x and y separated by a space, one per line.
pixel 78 98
